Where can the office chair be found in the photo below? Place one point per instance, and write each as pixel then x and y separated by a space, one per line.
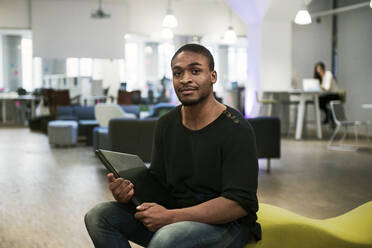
pixel 263 102
pixel 341 121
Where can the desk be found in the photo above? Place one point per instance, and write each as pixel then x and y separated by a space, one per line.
pixel 88 99
pixel 303 96
pixel 11 97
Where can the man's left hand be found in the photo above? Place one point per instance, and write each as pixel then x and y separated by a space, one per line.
pixel 153 216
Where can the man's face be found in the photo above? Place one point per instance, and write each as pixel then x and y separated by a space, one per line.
pixel 192 79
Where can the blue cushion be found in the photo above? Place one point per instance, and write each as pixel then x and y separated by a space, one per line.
pixel 84 112
pixel 133 109
pixel 64 111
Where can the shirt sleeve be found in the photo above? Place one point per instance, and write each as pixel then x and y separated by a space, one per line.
pixel 327 81
pixel 240 169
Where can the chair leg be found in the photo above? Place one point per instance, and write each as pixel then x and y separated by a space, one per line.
pixel 270 110
pixel 330 143
pixel 367 135
pixel 343 136
pixel 268 166
pixel 356 135
pixel 341 146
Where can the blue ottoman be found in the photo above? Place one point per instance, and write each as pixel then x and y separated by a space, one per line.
pixel 63 132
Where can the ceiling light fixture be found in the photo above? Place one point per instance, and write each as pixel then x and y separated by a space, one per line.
pixel 99 13
pixel 230 35
pixel 170 21
pixel 167 34
pixel 303 17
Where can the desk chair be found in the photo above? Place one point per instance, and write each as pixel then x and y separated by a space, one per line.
pixel 268 102
pixel 341 121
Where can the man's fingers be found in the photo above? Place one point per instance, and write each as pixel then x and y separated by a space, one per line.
pixel 110 177
pixel 126 192
pixel 145 205
pixel 139 215
pixel 117 183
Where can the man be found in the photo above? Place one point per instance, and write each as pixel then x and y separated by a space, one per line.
pixel 205 153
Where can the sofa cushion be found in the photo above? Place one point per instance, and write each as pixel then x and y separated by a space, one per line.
pixel 65 113
pixel 84 112
pixel 132 109
pixel 267 131
pixel 132 136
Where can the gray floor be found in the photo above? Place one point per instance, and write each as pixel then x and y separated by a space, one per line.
pixel 45 191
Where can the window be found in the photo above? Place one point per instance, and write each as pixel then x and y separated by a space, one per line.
pixel 72 67
pixel 26 53
pixel 237 61
pixel 85 67
pixel 166 51
pixel 1 63
pixel 97 69
pixel 121 68
pixel 132 66
pixel 37 76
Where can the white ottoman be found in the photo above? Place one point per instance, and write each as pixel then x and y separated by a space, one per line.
pixel 63 132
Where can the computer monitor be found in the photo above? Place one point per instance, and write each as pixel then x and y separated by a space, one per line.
pixel 310 84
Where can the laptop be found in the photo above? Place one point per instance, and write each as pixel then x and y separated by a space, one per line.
pixel 310 84
pixel 131 167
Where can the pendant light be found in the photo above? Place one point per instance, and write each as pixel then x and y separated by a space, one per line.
pixel 230 35
pixel 303 17
pixel 167 34
pixel 170 21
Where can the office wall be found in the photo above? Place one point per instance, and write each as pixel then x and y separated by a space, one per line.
pixel 65 29
pixel 355 61
pixel 15 14
pixel 194 17
pixel 311 43
pixel 276 55
pixel 54 66
pixel 276 45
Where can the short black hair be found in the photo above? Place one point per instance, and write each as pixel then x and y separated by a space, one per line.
pixel 196 48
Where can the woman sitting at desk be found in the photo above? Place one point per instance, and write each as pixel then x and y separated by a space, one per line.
pixel 329 88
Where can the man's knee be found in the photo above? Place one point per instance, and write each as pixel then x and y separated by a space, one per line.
pixel 97 214
pixel 170 236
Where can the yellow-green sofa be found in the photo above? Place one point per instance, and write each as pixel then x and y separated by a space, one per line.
pixel 282 228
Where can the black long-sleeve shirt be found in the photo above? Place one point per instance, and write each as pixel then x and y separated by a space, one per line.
pixel 218 160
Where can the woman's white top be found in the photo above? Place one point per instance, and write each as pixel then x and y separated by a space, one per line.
pixel 329 82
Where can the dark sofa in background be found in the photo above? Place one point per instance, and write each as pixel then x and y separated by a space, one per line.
pixel 132 136
pixel 136 137
pixel 267 131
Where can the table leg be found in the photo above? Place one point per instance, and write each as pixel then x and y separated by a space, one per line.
pixel 4 111
pixel 300 117
pixel 32 108
pixel 317 117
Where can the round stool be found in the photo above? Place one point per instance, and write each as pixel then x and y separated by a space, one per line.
pixel 62 132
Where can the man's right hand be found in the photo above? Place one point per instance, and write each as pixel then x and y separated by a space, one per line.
pixel 121 189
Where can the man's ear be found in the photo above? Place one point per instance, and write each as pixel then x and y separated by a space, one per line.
pixel 213 77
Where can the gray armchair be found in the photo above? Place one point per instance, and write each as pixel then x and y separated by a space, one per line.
pixel 132 136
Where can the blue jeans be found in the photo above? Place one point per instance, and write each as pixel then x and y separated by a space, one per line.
pixel 112 224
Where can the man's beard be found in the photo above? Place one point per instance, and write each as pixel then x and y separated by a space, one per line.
pixel 193 101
